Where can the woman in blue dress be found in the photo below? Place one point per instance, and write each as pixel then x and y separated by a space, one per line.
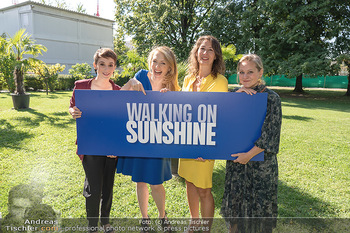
pixel 162 76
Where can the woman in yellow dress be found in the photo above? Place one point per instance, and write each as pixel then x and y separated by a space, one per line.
pixel 206 66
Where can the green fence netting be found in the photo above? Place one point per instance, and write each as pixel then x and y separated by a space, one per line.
pixel 320 82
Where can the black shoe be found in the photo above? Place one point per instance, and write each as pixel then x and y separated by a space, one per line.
pixel 145 225
pixel 166 227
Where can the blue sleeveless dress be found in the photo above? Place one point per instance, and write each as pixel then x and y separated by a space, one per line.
pixel 149 170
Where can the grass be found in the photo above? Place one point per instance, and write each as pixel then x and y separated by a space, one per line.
pixel 38 146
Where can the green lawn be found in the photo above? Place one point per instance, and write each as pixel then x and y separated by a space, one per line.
pixel 38 146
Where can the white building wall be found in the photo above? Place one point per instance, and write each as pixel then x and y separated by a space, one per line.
pixel 69 37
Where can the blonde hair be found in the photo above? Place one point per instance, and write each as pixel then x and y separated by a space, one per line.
pixel 170 80
pixel 258 64
pixel 218 64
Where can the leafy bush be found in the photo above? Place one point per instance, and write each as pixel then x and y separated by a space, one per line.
pixel 120 79
pixel 2 82
pixel 47 73
pixel 65 82
pixel 132 63
pixel 182 68
pixel 33 82
pixel 6 72
pixel 81 71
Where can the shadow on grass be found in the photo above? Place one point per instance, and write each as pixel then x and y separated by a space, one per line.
pixel 316 100
pixel 55 119
pixel 218 185
pixel 295 203
pixel 292 204
pixel 298 118
pixel 63 113
pixel 10 137
pixel 51 95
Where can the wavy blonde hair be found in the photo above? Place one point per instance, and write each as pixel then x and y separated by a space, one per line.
pixel 218 64
pixel 170 80
pixel 258 64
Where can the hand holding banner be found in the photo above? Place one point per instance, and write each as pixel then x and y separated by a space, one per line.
pixel 211 125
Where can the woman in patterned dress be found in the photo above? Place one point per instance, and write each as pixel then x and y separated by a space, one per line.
pixel 206 67
pixel 251 187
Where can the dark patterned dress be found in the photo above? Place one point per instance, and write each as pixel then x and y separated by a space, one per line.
pixel 251 189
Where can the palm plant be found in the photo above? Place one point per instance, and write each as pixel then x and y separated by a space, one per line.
pixel 19 46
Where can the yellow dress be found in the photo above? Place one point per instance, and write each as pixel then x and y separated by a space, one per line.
pixel 197 172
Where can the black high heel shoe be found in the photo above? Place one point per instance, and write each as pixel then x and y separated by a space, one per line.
pixel 145 225
pixel 166 227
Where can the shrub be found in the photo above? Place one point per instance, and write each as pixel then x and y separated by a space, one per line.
pixel 81 71
pixel 33 82
pixel 62 82
pixel 182 69
pixel 120 79
pixel 65 82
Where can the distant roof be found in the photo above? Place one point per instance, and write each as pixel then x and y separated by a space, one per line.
pixel 48 6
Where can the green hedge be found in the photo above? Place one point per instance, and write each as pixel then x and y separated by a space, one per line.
pixel 308 81
pixel 62 82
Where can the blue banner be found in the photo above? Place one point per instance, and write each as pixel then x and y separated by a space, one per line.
pixel 211 125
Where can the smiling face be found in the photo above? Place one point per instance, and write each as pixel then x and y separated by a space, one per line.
pixel 249 74
pixel 206 54
pixel 159 65
pixel 105 67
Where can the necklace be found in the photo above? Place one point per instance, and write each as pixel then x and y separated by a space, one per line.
pixel 199 79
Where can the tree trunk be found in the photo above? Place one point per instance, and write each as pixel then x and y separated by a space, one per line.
pixel 47 85
pixel 299 84
pixel 348 91
pixel 18 77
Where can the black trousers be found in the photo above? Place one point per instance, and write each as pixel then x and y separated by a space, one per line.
pixel 98 187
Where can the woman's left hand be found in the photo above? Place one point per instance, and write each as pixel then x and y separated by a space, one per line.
pixel 242 158
pixel 249 91
pixel 112 156
pixel 163 90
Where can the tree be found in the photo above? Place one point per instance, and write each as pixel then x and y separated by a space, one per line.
pixel 80 8
pixel 81 71
pixel 19 46
pixel 56 3
pixel 230 57
pixel 174 23
pixel 341 44
pixel 120 47
pixel 47 73
pixel 132 63
pixel 292 36
pixel 7 62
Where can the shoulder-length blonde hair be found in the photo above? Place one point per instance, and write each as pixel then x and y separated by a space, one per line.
pixel 256 60
pixel 218 64
pixel 170 80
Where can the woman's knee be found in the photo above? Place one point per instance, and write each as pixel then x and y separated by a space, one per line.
pixel 157 188
pixel 204 193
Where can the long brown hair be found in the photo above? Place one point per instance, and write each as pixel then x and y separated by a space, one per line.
pixel 218 64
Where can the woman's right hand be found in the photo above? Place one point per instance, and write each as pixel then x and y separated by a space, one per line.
pixel 200 159
pixel 249 91
pixel 135 85
pixel 75 112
